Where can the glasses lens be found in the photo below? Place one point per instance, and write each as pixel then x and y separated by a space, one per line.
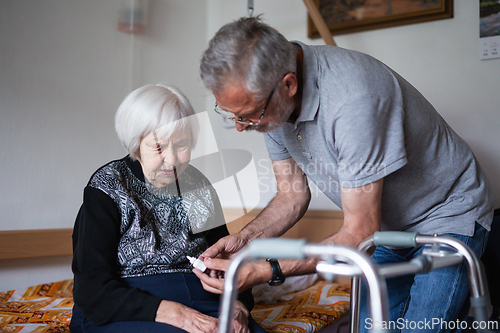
pixel 230 116
pixel 226 114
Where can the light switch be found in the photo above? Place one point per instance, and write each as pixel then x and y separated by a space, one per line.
pixel 489 47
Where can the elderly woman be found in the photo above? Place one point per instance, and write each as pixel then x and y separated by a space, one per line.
pixel 141 216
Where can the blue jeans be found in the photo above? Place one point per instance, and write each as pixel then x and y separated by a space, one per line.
pixel 184 288
pixel 418 299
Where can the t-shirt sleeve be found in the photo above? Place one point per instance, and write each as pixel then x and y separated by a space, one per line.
pixel 276 149
pixel 369 139
pixel 99 292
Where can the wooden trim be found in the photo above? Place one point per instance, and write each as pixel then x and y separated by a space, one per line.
pixel 18 244
pixel 314 226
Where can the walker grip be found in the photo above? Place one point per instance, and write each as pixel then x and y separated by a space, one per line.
pixel 395 238
pixel 277 248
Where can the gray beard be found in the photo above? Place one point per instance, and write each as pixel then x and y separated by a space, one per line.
pixel 282 111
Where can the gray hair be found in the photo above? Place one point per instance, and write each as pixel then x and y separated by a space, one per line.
pixel 249 51
pixel 150 108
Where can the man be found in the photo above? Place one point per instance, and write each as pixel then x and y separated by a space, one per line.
pixel 369 140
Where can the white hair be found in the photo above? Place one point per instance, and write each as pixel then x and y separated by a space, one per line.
pixel 153 107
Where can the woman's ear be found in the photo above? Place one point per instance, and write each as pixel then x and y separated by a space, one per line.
pixel 137 154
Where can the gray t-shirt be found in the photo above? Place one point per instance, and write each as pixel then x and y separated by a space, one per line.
pixel 360 122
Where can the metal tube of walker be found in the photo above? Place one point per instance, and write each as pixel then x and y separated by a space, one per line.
pixel 377 288
pixel 478 298
pixel 282 249
pixel 226 308
pixel 259 248
pixel 355 290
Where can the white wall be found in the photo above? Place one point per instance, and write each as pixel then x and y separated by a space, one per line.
pixel 64 68
pixel 440 58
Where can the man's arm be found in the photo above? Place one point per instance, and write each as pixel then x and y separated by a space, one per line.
pixel 362 217
pixel 287 207
pixel 362 207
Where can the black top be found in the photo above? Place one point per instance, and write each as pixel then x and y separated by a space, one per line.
pixel 126 228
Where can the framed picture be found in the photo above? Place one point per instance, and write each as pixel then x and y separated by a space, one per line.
pixel 346 16
pixel 489 29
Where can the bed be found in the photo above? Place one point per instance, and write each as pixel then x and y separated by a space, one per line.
pixel 317 305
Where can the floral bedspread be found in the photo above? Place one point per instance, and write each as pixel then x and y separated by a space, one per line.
pixel 42 308
pixel 309 310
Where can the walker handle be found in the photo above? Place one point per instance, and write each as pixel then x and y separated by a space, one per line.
pixel 395 238
pixel 277 248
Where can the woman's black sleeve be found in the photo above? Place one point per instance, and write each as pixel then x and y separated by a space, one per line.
pixel 99 292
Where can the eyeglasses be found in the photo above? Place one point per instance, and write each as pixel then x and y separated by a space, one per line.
pixel 230 116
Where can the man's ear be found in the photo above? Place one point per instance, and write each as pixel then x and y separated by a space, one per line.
pixel 291 84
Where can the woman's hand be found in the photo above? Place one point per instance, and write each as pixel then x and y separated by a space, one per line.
pixel 185 318
pixel 192 321
pixel 240 319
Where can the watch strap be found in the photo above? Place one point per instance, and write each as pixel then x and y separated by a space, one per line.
pixel 277 277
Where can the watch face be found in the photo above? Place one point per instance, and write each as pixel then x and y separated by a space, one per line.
pixel 275 282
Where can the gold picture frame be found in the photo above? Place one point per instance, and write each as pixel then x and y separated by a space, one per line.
pixel 346 16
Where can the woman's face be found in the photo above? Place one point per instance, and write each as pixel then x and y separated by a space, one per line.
pixel 163 160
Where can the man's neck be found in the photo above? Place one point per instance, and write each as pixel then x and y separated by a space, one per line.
pixel 298 96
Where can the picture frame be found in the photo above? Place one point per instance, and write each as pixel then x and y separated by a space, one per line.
pixel 347 16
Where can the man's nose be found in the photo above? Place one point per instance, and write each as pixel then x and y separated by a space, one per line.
pixel 241 127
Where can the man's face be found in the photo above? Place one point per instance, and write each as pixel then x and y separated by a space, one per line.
pixel 237 100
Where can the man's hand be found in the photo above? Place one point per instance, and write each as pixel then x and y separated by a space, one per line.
pixel 225 247
pixel 213 278
pixel 217 258
pixel 250 275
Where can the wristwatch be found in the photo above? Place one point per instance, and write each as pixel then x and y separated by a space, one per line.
pixel 278 277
